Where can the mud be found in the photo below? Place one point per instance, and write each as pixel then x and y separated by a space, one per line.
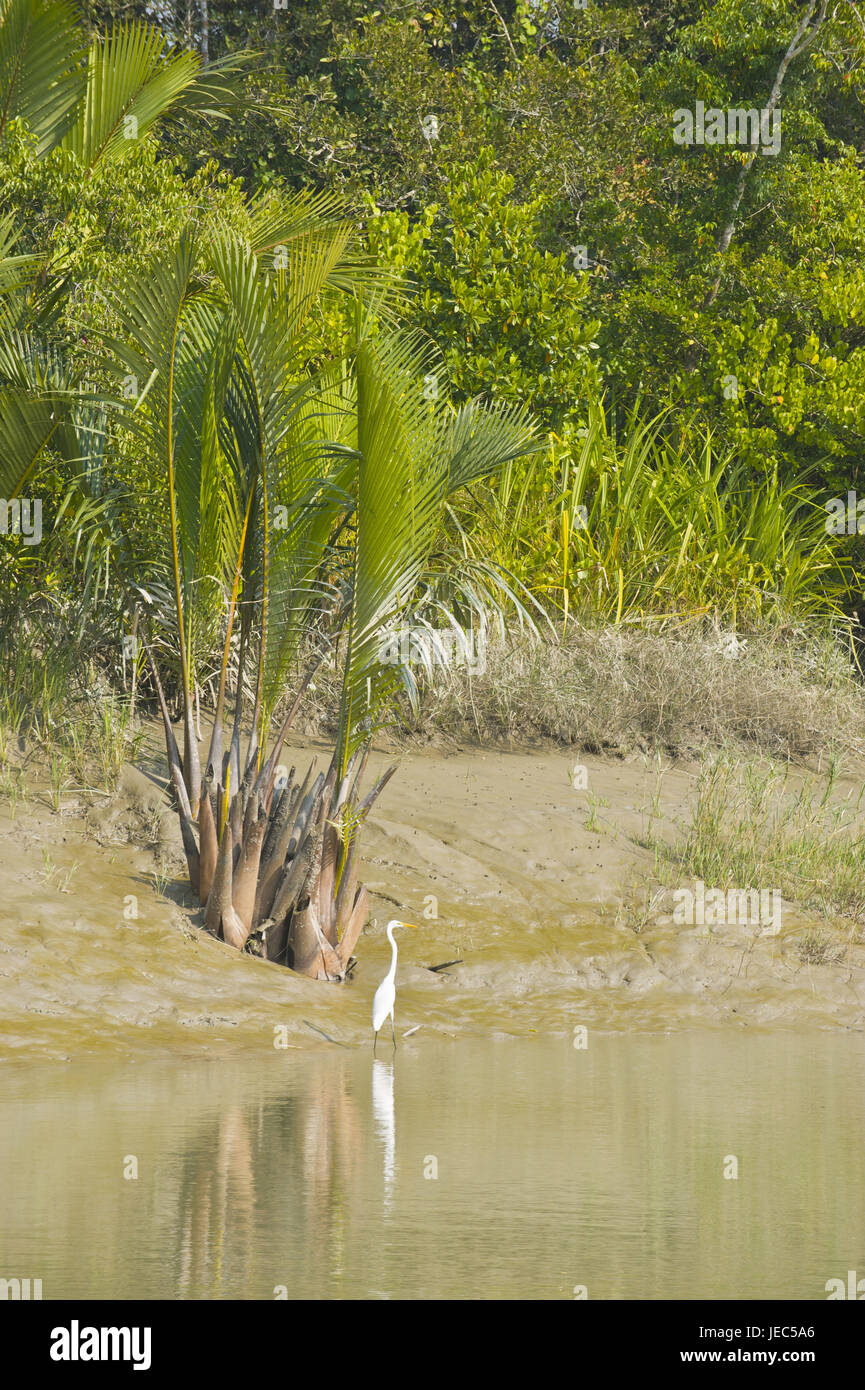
pixel 537 888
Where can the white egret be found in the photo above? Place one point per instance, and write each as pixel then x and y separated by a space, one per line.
pixel 385 995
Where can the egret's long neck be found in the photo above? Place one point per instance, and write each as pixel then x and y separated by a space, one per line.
pixel 392 971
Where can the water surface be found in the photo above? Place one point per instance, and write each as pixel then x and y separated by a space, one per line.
pixel 508 1169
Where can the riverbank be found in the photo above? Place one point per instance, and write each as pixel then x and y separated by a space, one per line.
pixel 546 891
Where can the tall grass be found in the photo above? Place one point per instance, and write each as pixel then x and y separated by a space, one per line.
pixel 637 526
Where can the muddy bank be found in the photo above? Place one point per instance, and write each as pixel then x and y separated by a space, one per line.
pixel 536 887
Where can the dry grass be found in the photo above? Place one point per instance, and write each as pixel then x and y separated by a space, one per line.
pixel 619 689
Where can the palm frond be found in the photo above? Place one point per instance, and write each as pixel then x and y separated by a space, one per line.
pixel 42 52
pixel 133 79
pixel 401 491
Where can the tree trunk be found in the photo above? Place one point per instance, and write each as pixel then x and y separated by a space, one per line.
pixel 205 30
pixel 797 45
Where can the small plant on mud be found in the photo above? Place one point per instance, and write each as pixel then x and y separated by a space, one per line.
pixel 816 948
pixel 59 770
pixel 11 786
pixel 53 874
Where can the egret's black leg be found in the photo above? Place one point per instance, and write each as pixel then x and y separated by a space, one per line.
pixel 374 1041
pixel 392 1033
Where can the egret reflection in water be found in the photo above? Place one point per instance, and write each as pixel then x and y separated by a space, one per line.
pixel 385 1122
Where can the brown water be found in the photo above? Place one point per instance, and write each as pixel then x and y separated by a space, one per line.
pixel 555 1168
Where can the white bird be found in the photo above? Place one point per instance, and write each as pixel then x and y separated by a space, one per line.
pixel 385 995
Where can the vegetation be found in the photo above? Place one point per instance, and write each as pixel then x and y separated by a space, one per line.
pixel 246 495
pixel 758 824
pixel 322 323
pixel 636 526
pixel 670 689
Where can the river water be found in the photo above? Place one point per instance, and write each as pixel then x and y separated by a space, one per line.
pixel 504 1169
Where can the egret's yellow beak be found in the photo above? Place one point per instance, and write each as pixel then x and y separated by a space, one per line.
pixel 410 924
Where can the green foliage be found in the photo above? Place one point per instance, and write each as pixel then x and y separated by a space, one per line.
pixel 577 108
pixel 508 315
pixel 487 145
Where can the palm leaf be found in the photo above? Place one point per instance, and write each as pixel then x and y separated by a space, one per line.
pixel 401 490
pixel 41 66
pixel 479 440
pixel 132 80
pixel 156 344
pixel 312 489
pixel 35 391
